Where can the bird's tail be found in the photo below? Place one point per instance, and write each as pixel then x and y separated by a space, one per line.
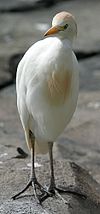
pixel 40 147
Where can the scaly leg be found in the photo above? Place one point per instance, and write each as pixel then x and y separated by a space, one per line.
pixel 57 190
pixel 52 177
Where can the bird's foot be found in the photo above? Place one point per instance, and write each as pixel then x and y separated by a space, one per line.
pixel 39 191
pixel 58 190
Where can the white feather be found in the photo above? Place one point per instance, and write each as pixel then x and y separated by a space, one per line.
pixel 45 119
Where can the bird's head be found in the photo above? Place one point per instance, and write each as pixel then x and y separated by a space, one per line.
pixel 63 25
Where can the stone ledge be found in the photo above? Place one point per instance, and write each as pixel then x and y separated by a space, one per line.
pixel 68 173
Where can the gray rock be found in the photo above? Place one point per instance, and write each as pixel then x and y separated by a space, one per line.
pixel 13 63
pixel 20 30
pixel 67 173
pixel 5 75
pixel 20 5
pixel 90 74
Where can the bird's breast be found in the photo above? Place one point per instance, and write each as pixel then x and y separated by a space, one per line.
pixel 58 86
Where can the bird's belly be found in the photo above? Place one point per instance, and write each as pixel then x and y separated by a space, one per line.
pixel 47 128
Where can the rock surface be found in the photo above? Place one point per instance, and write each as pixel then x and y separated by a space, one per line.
pixel 20 5
pixel 18 31
pixel 5 75
pixel 67 173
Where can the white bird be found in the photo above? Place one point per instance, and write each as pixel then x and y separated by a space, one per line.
pixel 47 85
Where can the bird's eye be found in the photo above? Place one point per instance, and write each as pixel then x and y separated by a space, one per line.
pixel 65 26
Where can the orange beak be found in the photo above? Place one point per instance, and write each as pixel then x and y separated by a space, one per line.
pixel 52 30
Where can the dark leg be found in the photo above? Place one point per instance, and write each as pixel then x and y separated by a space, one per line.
pixel 33 180
pixel 51 188
pixel 52 179
pixel 57 190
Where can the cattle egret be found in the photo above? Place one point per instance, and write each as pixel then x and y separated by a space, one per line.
pixel 47 90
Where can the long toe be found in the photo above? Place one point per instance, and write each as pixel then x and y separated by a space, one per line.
pixel 71 189
pixel 23 190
